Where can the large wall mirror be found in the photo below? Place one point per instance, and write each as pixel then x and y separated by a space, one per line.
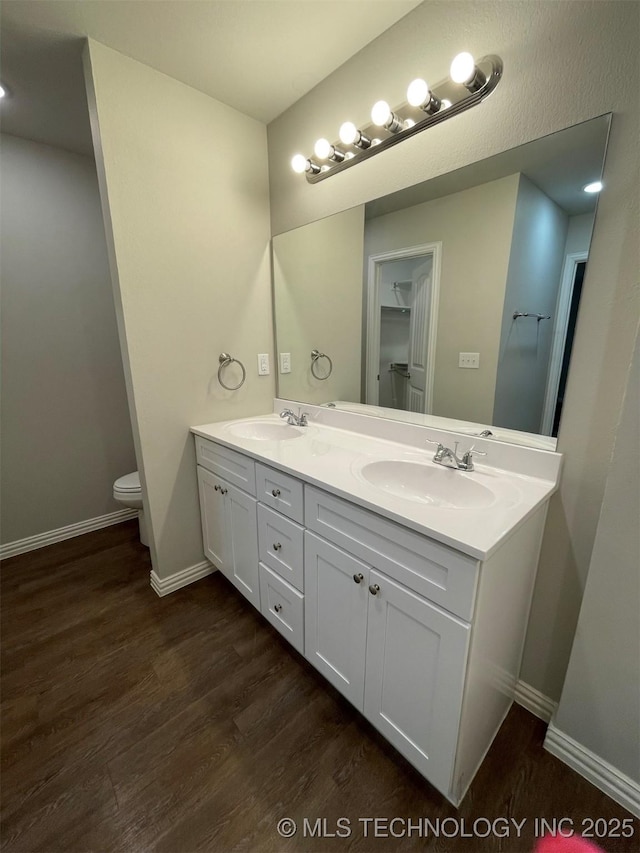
pixel 456 298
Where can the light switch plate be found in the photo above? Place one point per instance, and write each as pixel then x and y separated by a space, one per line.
pixel 285 362
pixel 263 364
pixel 469 359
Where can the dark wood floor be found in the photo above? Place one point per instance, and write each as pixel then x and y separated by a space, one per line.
pixel 134 723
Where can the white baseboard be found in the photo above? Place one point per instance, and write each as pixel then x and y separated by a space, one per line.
pixel 163 586
pixel 41 540
pixel 600 773
pixel 531 699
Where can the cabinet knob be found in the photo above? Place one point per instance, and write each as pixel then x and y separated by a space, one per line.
pixel 359 577
pixel 217 488
pixel 277 607
pixel 374 589
pixel 275 493
pixel 276 546
pixel 224 491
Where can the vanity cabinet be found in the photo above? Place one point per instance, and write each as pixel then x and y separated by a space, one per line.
pixel 336 616
pixel 255 544
pixel 398 658
pixel 414 676
pixel 230 532
pixel 423 639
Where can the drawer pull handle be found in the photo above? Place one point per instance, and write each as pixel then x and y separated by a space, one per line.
pixel 277 607
pixel 217 488
pixel 276 546
pixel 275 493
pixel 374 589
pixel 224 491
pixel 359 577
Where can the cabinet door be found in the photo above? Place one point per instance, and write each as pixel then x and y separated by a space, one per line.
pixel 214 513
pixel 243 542
pixel 416 660
pixel 335 616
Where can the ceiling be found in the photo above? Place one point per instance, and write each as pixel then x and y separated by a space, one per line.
pixel 258 56
pixel 560 164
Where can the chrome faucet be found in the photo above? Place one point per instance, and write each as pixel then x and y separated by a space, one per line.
pixel 450 459
pixel 293 419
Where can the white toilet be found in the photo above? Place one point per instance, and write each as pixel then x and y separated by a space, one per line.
pixel 128 491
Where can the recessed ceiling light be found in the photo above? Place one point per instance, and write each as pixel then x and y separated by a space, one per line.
pixel 594 187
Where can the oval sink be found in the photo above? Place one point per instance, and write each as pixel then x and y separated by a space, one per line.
pixel 443 487
pixel 265 430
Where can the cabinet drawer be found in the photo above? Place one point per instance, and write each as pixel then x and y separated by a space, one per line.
pixel 281 545
pixel 280 492
pixel 439 573
pixel 282 605
pixel 234 467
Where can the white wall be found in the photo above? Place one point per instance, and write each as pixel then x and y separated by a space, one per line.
pixel 66 433
pixel 579 233
pixel 392 272
pixel 584 56
pixel 535 266
pixel 475 227
pixel 600 702
pixel 319 306
pixel 184 186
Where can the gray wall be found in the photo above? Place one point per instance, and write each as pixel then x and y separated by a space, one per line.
pixel 66 433
pixel 184 187
pixel 535 267
pixel 587 55
pixel 600 702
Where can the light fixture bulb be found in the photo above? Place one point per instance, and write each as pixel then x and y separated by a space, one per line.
pixel 380 113
pixel 322 149
pixel 348 133
pixel 594 187
pixel 418 92
pixel 3 91
pixel 299 163
pixel 462 68
pixel 419 95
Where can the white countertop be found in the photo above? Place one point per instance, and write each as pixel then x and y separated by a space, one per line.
pixel 331 458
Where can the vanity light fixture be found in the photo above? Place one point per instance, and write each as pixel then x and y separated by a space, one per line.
pixel 419 95
pixel 594 187
pixel 470 82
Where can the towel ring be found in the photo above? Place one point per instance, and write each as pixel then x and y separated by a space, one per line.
pixel 225 360
pixel 315 355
